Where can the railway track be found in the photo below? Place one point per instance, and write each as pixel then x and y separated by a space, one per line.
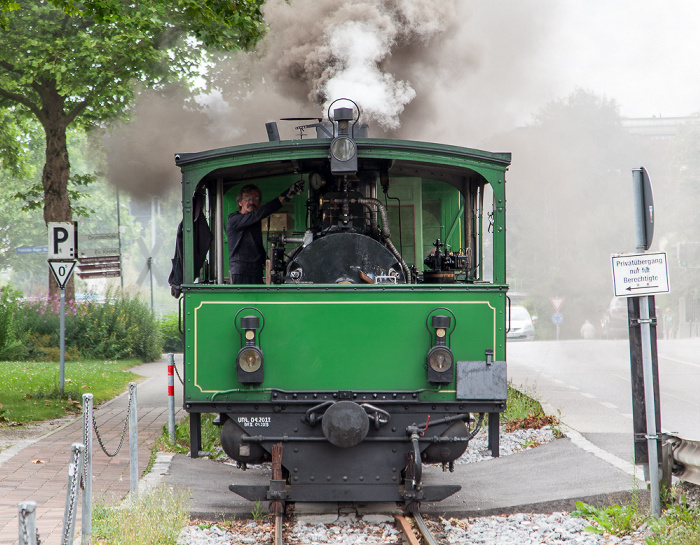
pixel 418 535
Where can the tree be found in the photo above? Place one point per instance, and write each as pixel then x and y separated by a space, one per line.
pixel 67 63
pixel 569 205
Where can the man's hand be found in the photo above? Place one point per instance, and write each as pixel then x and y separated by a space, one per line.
pixel 294 190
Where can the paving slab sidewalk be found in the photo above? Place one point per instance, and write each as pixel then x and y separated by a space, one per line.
pixel 37 470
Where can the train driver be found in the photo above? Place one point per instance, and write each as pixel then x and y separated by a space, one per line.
pixel 246 253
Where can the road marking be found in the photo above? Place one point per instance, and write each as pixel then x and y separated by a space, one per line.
pixel 583 443
pixel 628 415
pixel 574 388
pixel 589 396
pixel 608 405
pixel 680 361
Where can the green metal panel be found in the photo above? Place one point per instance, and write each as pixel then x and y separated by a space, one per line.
pixel 334 338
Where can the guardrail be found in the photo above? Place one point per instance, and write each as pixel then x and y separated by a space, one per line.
pixel 686 459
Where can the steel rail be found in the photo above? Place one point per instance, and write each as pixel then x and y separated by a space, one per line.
pixel 410 534
pixel 423 529
pixel 279 520
pixel 405 527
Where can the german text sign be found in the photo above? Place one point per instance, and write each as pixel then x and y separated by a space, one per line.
pixel 640 274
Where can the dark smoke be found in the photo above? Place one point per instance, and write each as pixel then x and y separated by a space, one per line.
pixel 315 52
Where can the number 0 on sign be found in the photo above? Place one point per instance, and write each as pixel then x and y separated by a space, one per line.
pixel 62 271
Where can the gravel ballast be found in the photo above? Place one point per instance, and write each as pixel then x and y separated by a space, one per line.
pixel 520 529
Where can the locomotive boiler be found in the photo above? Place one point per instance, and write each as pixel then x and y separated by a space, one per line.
pixel 377 342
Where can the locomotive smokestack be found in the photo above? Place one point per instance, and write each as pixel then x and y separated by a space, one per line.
pixel 273 134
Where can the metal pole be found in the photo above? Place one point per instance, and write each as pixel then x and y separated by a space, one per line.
pixel 171 398
pixel 150 274
pixel 62 319
pixel 133 443
pixel 75 468
pixel 652 436
pixel 87 470
pixel 27 522
pixel 119 238
pixel 645 331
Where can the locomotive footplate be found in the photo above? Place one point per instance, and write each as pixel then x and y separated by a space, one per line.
pixel 348 493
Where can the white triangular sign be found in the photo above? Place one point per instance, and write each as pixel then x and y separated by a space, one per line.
pixel 62 271
pixel 556 302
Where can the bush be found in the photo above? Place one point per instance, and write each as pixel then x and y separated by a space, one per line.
pixel 170 332
pixel 122 326
pixel 9 298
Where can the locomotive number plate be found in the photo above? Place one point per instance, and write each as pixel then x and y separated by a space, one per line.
pixel 255 421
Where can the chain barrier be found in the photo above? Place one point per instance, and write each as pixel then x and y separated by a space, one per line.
pixel 121 441
pixel 23 532
pixel 27 522
pixel 86 434
pixel 74 476
pixel 178 375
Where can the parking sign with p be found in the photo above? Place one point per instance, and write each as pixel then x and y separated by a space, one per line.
pixel 63 240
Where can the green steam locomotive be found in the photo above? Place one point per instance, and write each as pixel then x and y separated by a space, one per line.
pixel 377 342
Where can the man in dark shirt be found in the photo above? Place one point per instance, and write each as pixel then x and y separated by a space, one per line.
pixel 246 253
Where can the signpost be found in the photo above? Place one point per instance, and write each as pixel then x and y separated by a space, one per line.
pixel 99 267
pixel 557 317
pixel 100 262
pixel 641 276
pixel 63 247
pixel 32 249
pixel 63 240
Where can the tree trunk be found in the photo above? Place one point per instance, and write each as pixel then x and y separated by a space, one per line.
pixel 56 170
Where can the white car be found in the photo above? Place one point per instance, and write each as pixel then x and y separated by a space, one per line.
pixel 522 327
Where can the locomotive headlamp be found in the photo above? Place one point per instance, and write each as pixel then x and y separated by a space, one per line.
pixel 440 360
pixel 249 362
pixel 343 149
pixel 343 152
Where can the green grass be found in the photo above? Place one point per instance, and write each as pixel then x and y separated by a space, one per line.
pixel 156 518
pixel 520 405
pixel 30 391
pixel 679 523
pixel 210 437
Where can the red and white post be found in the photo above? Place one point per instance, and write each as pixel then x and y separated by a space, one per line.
pixel 171 397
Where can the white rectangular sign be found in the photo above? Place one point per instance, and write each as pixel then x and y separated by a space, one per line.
pixel 640 274
pixel 63 240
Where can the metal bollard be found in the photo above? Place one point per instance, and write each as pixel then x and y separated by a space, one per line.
pixel 75 469
pixel 87 470
pixel 133 443
pixel 171 398
pixel 27 522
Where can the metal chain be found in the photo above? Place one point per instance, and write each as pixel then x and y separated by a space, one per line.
pixel 86 433
pixel 23 526
pixel 25 531
pixel 178 374
pixel 121 441
pixel 72 470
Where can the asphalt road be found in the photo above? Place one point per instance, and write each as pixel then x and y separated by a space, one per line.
pixel 588 383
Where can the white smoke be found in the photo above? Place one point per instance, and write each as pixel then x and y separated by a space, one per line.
pixel 345 52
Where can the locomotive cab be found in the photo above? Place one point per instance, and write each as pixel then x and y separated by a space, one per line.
pixel 376 343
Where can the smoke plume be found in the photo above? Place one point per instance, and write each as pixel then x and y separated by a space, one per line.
pixel 346 51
